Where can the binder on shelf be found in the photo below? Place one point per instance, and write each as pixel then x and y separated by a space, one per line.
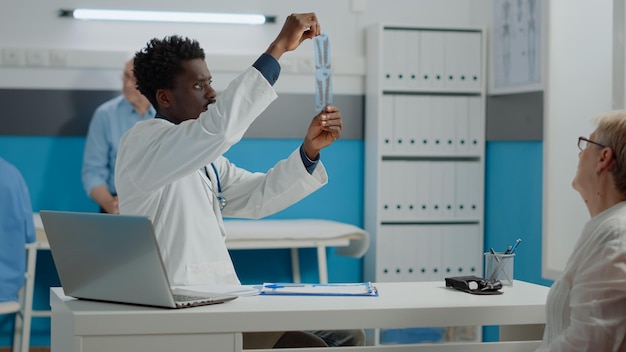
pixel 448 190
pixel 347 289
pixel 411 209
pixel 400 53
pixel 454 59
pixel 386 192
pixel 466 259
pixel 462 125
pixel 469 194
pixel 424 190
pixel 463 183
pixel 448 132
pixel 472 64
pixel 436 190
pixel 400 179
pixel 389 66
pixel 435 243
pixel 385 124
pixel 437 124
pixel 400 124
pixel 456 258
pixel 419 125
pixel 406 252
pixel 432 56
pixel 477 125
pixel 384 254
pixel 396 263
pixel 394 58
pixel 413 61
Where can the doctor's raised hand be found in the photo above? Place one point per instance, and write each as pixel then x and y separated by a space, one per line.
pixel 323 131
pixel 297 28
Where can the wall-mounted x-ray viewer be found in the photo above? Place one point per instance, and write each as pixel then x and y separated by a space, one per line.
pixel 517 46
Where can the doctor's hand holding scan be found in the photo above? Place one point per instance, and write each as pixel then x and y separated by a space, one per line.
pixel 323 131
pixel 326 126
pixel 297 28
pixel 172 169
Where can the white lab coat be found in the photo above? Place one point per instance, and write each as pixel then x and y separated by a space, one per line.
pixel 586 306
pixel 160 174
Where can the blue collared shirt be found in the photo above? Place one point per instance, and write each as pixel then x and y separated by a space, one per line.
pixel 268 66
pixel 109 123
pixel 16 229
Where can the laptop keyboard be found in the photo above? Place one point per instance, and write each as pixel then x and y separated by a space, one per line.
pixel 190 299
pixel 186 298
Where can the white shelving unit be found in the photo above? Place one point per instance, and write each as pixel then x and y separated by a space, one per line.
pixel 424 152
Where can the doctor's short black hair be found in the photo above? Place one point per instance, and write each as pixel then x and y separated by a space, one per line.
pixel 156 65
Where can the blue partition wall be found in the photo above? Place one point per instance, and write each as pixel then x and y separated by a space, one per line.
pixel 513 207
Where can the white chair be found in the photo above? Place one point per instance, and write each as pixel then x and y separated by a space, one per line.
pixel 21 327
pixel 25 313
pixel 9 307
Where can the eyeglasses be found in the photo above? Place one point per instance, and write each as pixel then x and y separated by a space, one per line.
pixel 584 142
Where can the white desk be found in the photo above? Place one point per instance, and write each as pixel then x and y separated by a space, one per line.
pixel 84 326
pixel 242 234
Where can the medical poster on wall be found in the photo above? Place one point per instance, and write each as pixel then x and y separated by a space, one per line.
pixel 517 54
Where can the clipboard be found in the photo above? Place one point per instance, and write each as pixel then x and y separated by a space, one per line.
pixel 297 289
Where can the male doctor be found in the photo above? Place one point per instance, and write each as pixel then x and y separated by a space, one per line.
pixel 171 168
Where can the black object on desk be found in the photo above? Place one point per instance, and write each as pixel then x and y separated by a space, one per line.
pixel 474 285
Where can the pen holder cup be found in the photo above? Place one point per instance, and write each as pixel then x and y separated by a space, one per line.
pixel 499 266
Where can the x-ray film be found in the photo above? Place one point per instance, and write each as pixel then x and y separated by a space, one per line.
pixel 323 73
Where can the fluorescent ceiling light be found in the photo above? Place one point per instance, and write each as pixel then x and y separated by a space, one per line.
pixel 166 16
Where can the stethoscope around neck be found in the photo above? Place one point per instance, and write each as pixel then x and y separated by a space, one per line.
pixel 220 198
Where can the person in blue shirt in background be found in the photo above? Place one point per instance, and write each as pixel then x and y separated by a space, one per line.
pixel 109 122
pixel 16 230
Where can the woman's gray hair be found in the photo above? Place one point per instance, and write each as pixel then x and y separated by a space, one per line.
pixel 611 131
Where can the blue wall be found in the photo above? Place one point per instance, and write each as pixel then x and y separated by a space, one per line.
pixel 51 167
pixel 513 208
pixel 513 200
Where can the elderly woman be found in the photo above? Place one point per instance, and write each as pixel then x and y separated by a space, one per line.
pixel 586 307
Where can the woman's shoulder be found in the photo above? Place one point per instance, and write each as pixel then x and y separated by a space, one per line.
pixel 613 226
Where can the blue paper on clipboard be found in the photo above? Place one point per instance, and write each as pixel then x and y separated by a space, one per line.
pixel 297 289
pixel 323 73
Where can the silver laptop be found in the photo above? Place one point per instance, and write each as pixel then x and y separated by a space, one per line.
pixel 113 258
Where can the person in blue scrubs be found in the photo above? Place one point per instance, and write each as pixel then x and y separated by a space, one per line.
pixel 16 230
pixel 109 122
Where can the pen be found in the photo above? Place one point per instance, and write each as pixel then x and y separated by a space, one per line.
pixel 275 286
pixel 499 266
pixel 508 250
pixel 515 246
